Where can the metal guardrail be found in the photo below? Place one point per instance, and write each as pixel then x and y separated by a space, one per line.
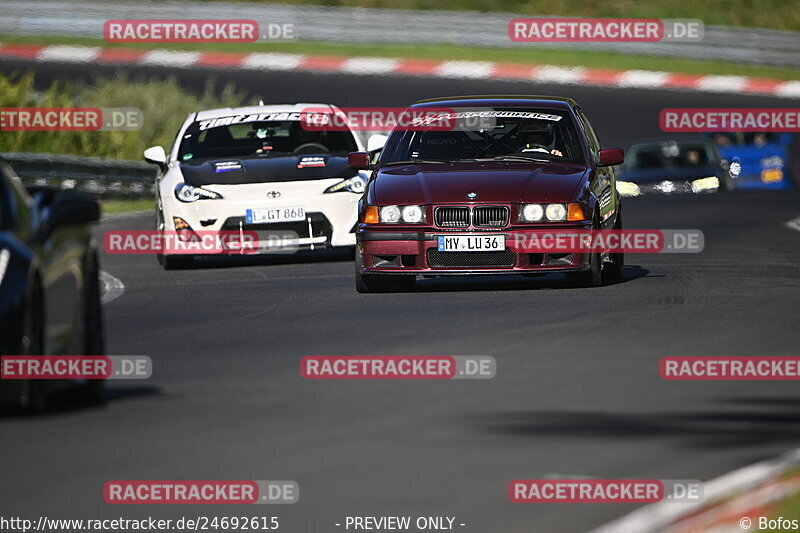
pixel 94 175
pixel 343 24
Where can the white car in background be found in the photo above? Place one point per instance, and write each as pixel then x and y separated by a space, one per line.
pixel 261 169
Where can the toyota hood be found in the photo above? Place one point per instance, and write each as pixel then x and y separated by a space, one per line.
pixel 233 171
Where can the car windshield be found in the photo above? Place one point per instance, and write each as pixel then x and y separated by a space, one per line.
pixel 233 136
pixel 508 134
pixel 670 155
pixel 757 139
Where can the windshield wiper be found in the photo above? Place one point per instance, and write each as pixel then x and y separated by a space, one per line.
pixel 416 162
pixel 511 157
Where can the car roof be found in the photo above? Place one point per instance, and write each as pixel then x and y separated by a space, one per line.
pixel 247 110
pixel 499 100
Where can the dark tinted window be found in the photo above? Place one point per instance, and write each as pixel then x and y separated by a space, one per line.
pixel 209 139
pixel 670 155
pixel 542 134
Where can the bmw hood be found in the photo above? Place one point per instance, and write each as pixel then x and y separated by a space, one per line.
pixel 232 171
pixel 490 182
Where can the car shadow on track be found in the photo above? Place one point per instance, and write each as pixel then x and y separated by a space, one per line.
pixel 509 282
pixel 73 399
pixel 317 256
pixel 737 424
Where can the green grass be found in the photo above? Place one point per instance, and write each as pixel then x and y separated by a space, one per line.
pixel 777 14
pixel 523 55
pixel 790 507
pixel 115 207
pixel 165 104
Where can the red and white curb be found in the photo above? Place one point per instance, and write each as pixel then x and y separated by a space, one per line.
pixel 732 502
pixel 643 79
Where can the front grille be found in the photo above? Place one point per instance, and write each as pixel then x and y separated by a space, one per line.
pixel 452 217
pixel 490 216
pixel 437 259
pixel 320 227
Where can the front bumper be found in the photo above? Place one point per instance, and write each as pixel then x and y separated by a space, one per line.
pixel 330 218
pixel 395 251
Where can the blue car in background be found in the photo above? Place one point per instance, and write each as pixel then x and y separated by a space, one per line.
pixel 755 160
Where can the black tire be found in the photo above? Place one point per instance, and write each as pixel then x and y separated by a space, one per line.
pixel 175 262
pixel 366 283
pixel 615 270
pixel 94 332
pixel 591 277
pixel 33 400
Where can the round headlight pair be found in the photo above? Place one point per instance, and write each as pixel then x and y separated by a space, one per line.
pixel 394 214
pixel 538 212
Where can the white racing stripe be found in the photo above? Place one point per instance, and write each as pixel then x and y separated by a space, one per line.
pixel 111 288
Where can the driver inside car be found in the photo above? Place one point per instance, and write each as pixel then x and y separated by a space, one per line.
pixel 539 139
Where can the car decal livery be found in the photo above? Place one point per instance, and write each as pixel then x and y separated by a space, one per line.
pixel 260 117
pixel 227 166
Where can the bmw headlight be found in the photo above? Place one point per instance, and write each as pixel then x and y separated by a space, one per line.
pixel 356 185
pixel 532 212
pixel 396 214
pixel 187 193
pixel 550 212
pixel 412 214
pixel 555 212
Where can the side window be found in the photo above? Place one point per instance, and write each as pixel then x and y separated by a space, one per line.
pixel 591 136
pixel 18 200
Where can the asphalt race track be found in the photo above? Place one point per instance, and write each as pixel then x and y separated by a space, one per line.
pixel 577 391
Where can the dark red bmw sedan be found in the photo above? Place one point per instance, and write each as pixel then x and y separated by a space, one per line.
pixel 459 199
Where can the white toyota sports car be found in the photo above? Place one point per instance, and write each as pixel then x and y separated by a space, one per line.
pixel 260 169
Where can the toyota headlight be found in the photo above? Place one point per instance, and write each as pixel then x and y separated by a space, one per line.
pixel 187 193
pixel 356 185
pixel 396 214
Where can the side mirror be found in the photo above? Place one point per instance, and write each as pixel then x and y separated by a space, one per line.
pixel 72 210
pixel 611 156
pixel 156 155
pixel 376 142
pixel 359 160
